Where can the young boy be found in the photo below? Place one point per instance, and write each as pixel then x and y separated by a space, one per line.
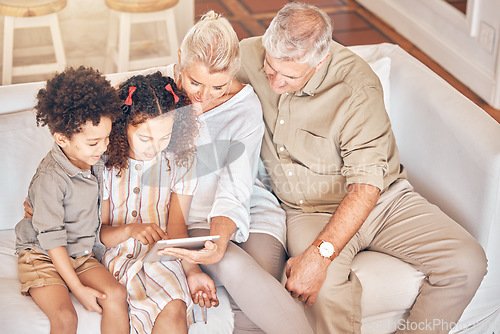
pixel 56 245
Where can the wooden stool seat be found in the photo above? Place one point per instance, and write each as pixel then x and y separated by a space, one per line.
pixel 29 8
pixel 31 14
pixel 140 6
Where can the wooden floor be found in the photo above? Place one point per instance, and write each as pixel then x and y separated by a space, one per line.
pixel 353 25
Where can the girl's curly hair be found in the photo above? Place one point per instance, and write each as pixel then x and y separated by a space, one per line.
pixel 150 99
pixel 74 97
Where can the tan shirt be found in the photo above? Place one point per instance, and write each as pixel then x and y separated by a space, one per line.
pixel 332 133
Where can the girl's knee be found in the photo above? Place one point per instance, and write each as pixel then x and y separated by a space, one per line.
pixel 175 309
pixel 115 294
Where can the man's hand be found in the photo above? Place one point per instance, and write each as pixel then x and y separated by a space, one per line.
pixel 306 274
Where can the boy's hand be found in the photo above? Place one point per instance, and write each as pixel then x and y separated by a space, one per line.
pixel 147 234
pixel 202 289
pixel 89 298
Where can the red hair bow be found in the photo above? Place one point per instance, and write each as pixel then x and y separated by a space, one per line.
pixel 169 88
pixel 131 91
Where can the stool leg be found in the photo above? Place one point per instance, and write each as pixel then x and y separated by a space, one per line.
pixel 124 42
pixel 8 49
pixel 57 41
pixel 111 43
pixel 173 40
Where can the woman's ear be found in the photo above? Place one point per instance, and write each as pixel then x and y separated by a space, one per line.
pixel 179 55
pixel 60 139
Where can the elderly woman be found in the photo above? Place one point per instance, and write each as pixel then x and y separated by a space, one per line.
pixel 248 258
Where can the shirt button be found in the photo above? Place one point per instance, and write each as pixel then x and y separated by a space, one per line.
pixel 136 190
pixel 282 122
pixel 134 213
pixel 129 256
pixel 290 173
pixel 117 273
pixel 301 202
pixel 86 252
pixel 282 149
pixel 138 167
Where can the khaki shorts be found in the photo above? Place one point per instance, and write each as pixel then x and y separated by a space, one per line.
pixel 36 269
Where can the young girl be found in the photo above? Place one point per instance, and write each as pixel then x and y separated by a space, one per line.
pixel 55 244
pixel 148 186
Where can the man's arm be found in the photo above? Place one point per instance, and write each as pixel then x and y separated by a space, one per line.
pixel 307 272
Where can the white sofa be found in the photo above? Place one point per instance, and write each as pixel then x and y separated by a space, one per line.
pixel 450 147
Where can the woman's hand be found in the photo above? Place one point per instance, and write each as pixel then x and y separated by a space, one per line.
pixel 202 287
pixel 212 253
pixel 147 234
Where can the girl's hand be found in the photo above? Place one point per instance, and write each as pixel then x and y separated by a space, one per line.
pixel 212 253
pixel 89 298
pixel 28 211
pixel 146 233
pixel 202 289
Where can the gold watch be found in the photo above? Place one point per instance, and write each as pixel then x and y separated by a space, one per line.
pixel 326 249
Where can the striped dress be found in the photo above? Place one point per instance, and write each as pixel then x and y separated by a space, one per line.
pixel 142 194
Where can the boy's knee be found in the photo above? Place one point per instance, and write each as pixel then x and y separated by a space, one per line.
pixel 64 321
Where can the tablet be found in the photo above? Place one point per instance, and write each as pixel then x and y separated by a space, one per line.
pixel 195 243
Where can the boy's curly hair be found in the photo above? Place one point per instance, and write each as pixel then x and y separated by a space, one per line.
pixel 149 100
pixel 74 97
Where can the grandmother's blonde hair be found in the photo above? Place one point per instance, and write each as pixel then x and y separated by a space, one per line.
pixel 212 42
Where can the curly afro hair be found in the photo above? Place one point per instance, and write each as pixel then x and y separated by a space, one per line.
pixel 149 100
pixel 74 97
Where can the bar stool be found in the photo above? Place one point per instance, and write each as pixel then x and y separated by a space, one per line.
pixel 125 13
pixel 30 14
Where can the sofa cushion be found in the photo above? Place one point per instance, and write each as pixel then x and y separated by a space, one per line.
pixel 25 145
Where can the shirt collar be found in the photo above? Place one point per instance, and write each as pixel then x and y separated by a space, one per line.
pixel 312 85
pixel 65 164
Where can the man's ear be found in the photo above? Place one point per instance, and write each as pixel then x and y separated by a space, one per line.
pixel 60 139
pixel 321 63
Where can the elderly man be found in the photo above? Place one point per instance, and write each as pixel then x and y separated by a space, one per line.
pixel 333 163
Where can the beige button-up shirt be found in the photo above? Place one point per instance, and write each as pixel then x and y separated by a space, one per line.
pixel 332 133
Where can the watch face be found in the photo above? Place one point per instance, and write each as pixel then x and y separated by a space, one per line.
pixel 326 249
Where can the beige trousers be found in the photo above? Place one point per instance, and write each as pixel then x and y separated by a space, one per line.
pixel 250 272
pixel 403 224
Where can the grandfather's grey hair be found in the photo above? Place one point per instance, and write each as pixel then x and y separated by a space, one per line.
pixel 300 32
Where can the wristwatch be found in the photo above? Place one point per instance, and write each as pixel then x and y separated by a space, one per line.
pixel 326 249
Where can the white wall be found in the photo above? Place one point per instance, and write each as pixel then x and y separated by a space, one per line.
pixel 449 38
